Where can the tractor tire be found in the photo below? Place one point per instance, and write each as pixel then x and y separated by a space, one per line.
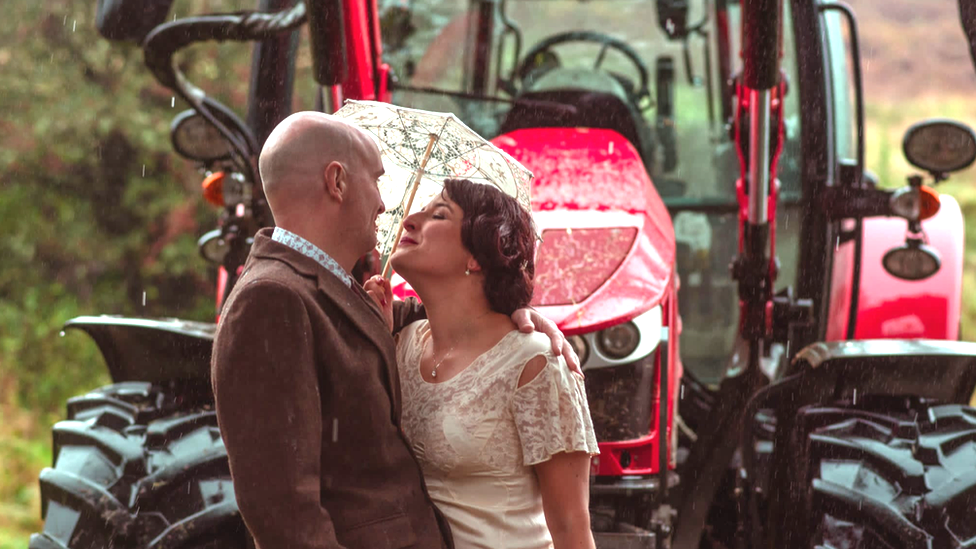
pixel 136 466
pixel 891 480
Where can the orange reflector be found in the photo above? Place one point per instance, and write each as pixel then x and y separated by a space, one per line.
pixel 928 202
pixel 213 189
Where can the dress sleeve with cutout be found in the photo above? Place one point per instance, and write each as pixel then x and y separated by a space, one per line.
pixel 552 415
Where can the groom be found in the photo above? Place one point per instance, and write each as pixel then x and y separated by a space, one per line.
pixel 304 367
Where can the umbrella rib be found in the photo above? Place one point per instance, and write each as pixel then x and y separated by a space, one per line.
pixel 447 120
pixel 405 161
pixel 458 155
pixel 403 128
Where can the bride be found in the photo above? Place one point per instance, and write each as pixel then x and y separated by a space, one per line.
pixel 499 424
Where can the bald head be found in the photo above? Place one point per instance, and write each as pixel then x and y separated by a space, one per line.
pixel 320 178
pixel 296 154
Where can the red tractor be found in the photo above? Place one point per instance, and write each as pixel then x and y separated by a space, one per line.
pixel 818 398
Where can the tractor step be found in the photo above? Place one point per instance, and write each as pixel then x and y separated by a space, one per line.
pixel 621 540
pixel 624 486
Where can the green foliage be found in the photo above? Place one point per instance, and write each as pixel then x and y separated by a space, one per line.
pixel 98 215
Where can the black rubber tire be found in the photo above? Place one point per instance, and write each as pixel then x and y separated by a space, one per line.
pixel 136 467
pixel 883 479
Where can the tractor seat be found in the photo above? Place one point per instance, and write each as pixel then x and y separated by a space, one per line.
pixel 594 109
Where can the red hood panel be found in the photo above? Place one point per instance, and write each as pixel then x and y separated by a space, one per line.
pixel 579 168
pixel 571 265
pixel 594 179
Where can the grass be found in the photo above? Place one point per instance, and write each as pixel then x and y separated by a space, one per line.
pixel 25 448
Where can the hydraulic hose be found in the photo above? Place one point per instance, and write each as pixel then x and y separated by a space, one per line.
pixel 748 451
pixel 161 45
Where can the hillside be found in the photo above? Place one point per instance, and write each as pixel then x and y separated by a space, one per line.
pixel 913 48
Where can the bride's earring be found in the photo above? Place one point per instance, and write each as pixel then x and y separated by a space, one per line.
pixel 467 272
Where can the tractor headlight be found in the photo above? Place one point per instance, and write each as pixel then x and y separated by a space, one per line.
pixel 579 345
pixel 618 341
pixel 622 344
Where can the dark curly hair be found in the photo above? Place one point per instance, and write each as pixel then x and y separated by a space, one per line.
pixel 498 232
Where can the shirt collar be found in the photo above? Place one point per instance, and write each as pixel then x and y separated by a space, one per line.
pixel 305 247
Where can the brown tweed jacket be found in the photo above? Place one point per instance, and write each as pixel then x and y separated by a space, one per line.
pixel 308 401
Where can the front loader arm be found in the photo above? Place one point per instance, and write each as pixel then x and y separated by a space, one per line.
pixel 347 49
pixel 757 132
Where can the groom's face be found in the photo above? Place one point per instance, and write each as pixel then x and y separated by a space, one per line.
pixel 364 203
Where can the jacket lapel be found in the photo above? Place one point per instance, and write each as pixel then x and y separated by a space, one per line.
pixel 352 301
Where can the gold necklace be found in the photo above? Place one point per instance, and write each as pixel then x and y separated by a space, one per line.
pixel 433 372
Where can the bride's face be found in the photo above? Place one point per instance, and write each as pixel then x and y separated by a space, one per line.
pixel 431 242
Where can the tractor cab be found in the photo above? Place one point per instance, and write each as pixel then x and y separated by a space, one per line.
pixel 505 66
pixel 502 61
pixel 554 82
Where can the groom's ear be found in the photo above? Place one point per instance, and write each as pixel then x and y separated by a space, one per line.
pixel 335 180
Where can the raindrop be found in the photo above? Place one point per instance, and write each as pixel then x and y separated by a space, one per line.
pixel 74 25
pixel 335 429
pixel 144 170
pixel 143 299
pixel 172 102
pixel 837 244
pixel 682 395
pixel 65 21
pixel 855 397
pixel 62 333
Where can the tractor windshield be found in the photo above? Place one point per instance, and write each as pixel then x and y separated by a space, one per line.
pixel 504 65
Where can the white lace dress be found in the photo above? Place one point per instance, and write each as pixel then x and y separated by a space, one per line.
pixel 478 434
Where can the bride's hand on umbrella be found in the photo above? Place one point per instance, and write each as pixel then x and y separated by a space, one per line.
pixel 380 290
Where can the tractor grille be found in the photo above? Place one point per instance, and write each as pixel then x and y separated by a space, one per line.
pixel 621 398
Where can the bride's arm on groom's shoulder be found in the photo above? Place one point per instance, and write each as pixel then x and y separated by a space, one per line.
pixel 565 485
pixel 402 313
pixel 528 320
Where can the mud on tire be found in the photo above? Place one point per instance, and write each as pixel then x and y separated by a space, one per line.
pixel 136 466
pixel 891 481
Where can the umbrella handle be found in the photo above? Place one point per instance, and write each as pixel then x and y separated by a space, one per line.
pixel 413 191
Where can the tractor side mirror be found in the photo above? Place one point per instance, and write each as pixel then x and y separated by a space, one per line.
pixel 672 17
pixel 130 20
pixel 940 146
pixel 328 41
